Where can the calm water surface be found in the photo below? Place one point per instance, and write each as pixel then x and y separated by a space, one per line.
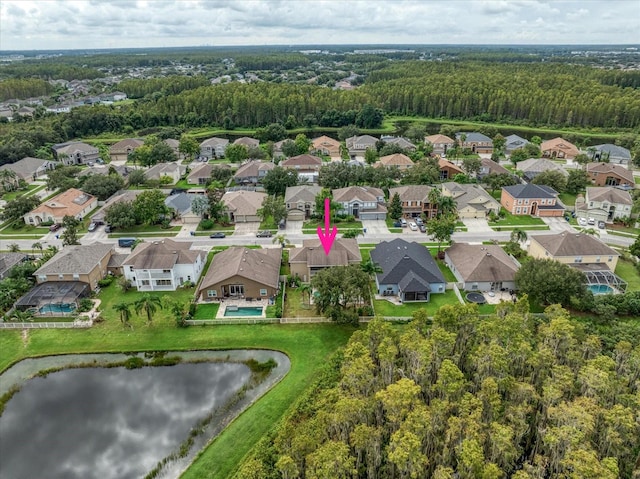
pixel 108 423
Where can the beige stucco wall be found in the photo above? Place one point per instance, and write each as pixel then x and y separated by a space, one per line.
pixel 251 288
pixel 537 251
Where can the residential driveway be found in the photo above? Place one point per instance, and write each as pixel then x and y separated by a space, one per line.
pixel 375 226
pixel 250 228
pixel 293 227
pixel 477 225
pixel 558 225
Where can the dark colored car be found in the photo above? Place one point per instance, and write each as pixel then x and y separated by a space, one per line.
pixel 422 228
pixel 218 235
pixel 55 227
pixel 92 227
pixel 108 229
pixel 264 234
pixel 601 225
pixel 397 224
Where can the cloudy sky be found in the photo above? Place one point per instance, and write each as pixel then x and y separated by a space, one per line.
pixel 72 24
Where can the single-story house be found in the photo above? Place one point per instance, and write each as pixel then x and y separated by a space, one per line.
pixel 120 151
pixel 163 265
pixel 8 261
pixel 472 201
pixel 399 141
pixel 213 147
pixel 559 148
pixel 242 206
pixel 240 272
pixel 172 170
pixel 604 203
pixel 530 199
pixel 610 153
pixel 75 153
pixel 200 174
pixel 609 174
pixel 534 166
pixel 306 261
pixel 325 145
pixel 83 263
pixel 481 267
pixel 306 165
pixel 490 167
pixel 440 144
pixel 415 201
pixel 301 201
pixel 247 141
pixel 72 202
pixel 105 170
pixel 252 171
pixel 363 202
pixel 408 271
pixel 448 169
pixel 29 169
pixel 119 196
pixel 514 142
pixel 180 205
pixel 397 160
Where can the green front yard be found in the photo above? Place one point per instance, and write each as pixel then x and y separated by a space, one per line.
pixel 21 228
pixel 627 271
pixel 385 308
pixel 567 198
pixel 145 229
pixel 30 190
pixel 312 226
pixel 517 220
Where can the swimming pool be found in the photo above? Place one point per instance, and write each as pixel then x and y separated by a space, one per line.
pixel 243 311
pixel 600 289
pixel 57 308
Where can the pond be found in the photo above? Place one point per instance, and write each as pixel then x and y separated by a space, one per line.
pixel 98 422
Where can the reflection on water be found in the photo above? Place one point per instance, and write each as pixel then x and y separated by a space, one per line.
pixel 108 423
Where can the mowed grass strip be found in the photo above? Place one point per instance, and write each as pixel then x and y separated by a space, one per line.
pixel 307 345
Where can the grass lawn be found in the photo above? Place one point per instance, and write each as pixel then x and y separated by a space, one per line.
pixel 21 228
pixel 448 275
pixel 627 271
pixel 517 220
pixel 622 229
pixel 385 308
pixel 313 225
pixel 207 311
pixel 144 229
pixel 31 189
pixel 308 347
pixel 296 307
pixel 567 198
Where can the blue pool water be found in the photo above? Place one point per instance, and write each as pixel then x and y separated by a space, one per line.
pixel 600 289
pixel 64 308
pixel 244 311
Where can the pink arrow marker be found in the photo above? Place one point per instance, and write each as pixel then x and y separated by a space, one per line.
pixel 327 237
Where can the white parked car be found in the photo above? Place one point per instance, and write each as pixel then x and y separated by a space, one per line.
pixel 413 226
pixel 591 221
pixel 582 221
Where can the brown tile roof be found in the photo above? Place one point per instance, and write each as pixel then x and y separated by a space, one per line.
pixel 343 252
pixel 125 144
pixel 302 160
pixel 433 139
pixel 482 262
pixel 246 141
pixel 163 254
pixel 606 168
pixel 262 266
pixel 203 170
pixel 70 202
pixel 252 168
pixel 325 141
pixel 243 203
pixel 442 163
pixel 362 193
pixel 411 192
pixel 559 144
pixel 397 159
pixel 573 244
pixel 493 167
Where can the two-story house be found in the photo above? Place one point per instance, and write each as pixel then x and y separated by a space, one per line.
pixel 172 170
pixel 325 145
pixel 440 144
pixel 213 147
pixel 611 154
pixel 252 172
pixel 476 142
pixel 358 145
pixel 472 201
pixel 307 166
pixel 75 153
pixel 514 142
pixel 242 206
pixel 415 201
pixel 301 201
pixel 448 169
pixel 559 148
pixel 363 202
pixel 399 141
pixel 247 141
pixel 311 258
pixel 163 265
pixel 604 204
pixel 530 199
pixel 609 174
pixel 120 151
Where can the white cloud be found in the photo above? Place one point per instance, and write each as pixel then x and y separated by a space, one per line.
pixel 58 24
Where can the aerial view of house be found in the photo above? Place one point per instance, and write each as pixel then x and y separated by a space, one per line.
pixel 534 166
pixel 242 206
pixel 397 160
pixel 75 153
pixel 29 169
pixel 72 202
pixel 610 153
pixel 472 201
pixel 448 170
pixel 476 142
pixel 121 150
pixel 513 142
pixel 163 265
pixel 481 267
pixel 530 199
pixel 408 271
pixel 306 165
pixel 605 203
pixel 364 202
pixel 609 174
pixel 306 261
pixel 242 273
pixel 325 145
pixel 440 144
pixel 301 201
pixel 252 172
pixel 415 201
pixel 559 148
pixel 213 147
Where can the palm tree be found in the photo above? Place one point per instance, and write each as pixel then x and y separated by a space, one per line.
pixel 447 206
pixel 305 289
pixel 8 180
pixel 149 304
pixel 281 239
pixel 125 313
pixel 14 248
pixel 518 235
pixel 370 267
pixel 22 316
pixel 591 232
pixel 36 246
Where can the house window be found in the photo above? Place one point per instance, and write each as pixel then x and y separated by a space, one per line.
pixel 519 202
pixel 263 292
pixel 76 276
pixel 610 258
pixel 578 259
pixel 166 271
pixel 145 282
pixel 518 211
pixel 525 211
pixel 43 277
pixel 61 276
pixel 591 204
pixel 130 268
pixel 212 293
pixel 474 286
pixel 163 282
pixel 543 201
pixel 526 202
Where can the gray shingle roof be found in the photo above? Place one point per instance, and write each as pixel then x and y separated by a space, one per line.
pixel 397 258
pixel 610 194
pixel 473 136
pixel 538 165
pixel 75 259
pixel 180 202
pixel 362 193
pixel 614 151
pixel 293 194
pixel 27 167
pixel 531 191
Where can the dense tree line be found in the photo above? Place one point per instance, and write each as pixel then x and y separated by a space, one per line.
pixel 24 88
pixel 50 70
pixel 171 85
pixel 462 397
pixel 275 62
